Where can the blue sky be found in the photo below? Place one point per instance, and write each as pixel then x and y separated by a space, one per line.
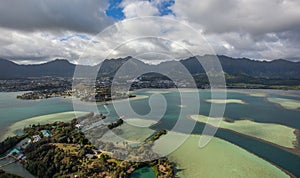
pixel 115 9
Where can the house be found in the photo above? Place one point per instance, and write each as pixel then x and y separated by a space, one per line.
pixel 23 144
pixel 14 151
pixel 20 156
pixel 79 126
pixel 46 133
pixel 36 138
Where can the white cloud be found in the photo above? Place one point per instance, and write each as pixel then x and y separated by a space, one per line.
pixel 240 28
pixel 134 8
pixel 55 15
pixel 254 16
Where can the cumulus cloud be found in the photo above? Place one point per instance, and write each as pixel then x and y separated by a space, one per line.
pixel 255 16
pixel 135 8
pixel 35 31
pixel 37 47
pixel 74 15
pixel 241 28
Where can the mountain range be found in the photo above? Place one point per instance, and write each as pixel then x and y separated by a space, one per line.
pixel 276 69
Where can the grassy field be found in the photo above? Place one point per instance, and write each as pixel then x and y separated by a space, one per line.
pixel 274 133
pixel 285 103
pixel 71 148
pixel 218 159
pixel 225 101
pixel 44 119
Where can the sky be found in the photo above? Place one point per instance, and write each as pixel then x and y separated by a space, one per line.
pixel 89 31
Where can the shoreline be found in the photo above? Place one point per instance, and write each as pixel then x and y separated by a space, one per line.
pixel 42 119
pixel 137 97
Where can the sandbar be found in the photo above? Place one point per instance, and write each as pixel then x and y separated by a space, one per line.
pixel 182 106
pixel 159 91
pixel 286 103
pixel 217 159
pixel 225 101
pixel 129 133
pixel 257 94
pixel 275 133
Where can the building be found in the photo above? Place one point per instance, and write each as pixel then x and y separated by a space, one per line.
pixel 46 133
pixel 14 151
pixel 79 126
pixel 23 144
pixel 36 138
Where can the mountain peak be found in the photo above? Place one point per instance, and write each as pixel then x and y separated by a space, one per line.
pixel 59 61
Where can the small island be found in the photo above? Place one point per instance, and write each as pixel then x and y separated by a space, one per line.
pixel 285 103
pixel 280 135
pixel 84 93
pixel 44 94
pixel 225 101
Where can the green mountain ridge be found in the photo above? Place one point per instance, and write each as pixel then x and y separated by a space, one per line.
pixel 276 69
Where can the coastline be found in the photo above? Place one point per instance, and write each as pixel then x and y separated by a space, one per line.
pixel 137 97
pixel 42 119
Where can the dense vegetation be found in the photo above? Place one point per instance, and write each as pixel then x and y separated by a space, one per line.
pixel 9 143
pixel 68 153
pixel 115 124
pixel 156 135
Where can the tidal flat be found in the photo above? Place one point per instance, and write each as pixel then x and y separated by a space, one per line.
pixel 285 103
pixel 275 133
pixel 225 101
pixel 129 132
pixel 217 159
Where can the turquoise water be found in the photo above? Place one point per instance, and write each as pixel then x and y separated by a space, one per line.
pixel 257 108
pixel 13 110
pixel 145 172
